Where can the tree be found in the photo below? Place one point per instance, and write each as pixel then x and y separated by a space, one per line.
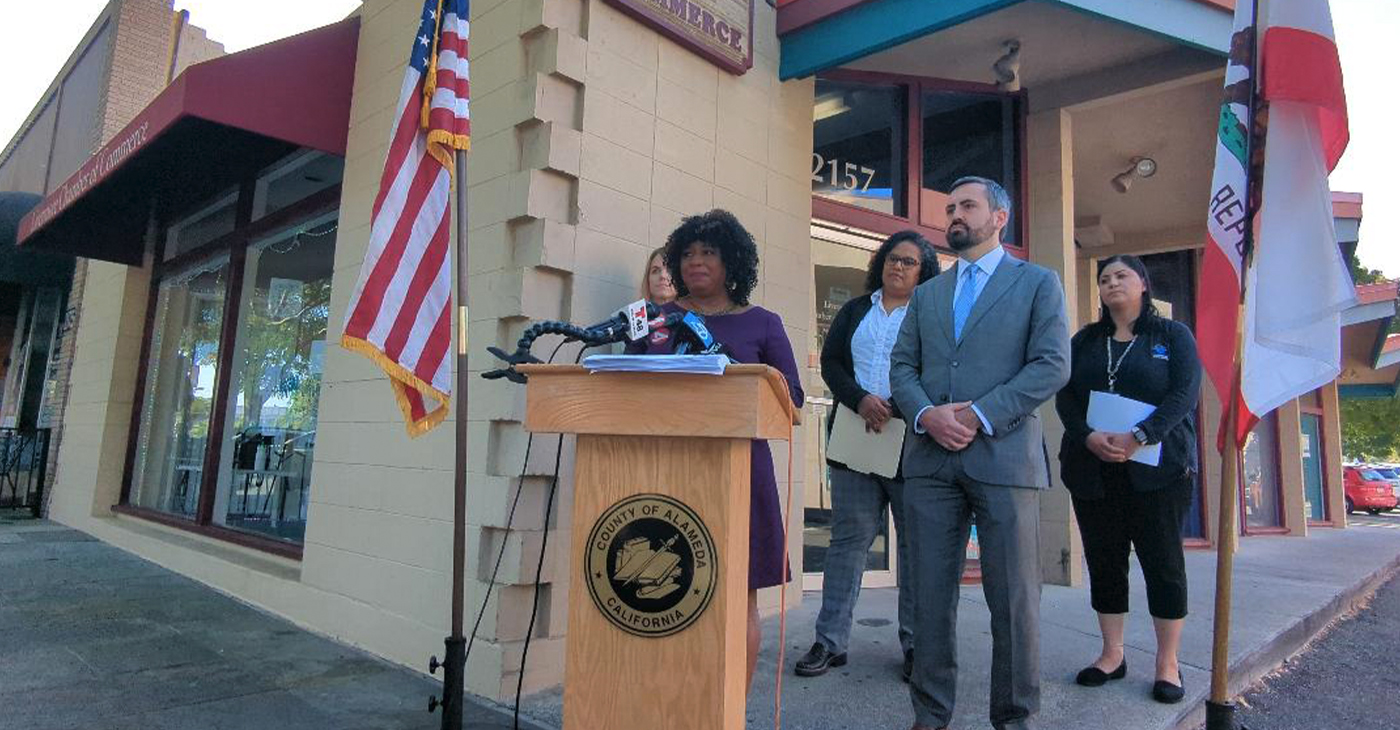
pixel 1371 428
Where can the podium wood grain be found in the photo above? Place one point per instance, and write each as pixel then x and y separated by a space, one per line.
pixel 682 436
pixel 691 680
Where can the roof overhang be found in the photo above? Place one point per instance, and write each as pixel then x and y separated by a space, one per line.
pixel 816 35
pixel 218 122
pixel 1370 356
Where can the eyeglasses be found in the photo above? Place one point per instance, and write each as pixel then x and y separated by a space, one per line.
pixel 902 261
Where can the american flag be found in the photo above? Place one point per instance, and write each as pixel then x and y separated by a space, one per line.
pixel 400 314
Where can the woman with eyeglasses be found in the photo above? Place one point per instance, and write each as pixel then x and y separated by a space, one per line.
pixel 856 368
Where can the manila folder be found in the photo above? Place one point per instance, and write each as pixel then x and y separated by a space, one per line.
pixel 865 451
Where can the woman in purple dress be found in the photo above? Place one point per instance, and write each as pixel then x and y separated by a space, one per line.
pixel 714 266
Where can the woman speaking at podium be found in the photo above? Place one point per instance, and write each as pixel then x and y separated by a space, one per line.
pixel 713 262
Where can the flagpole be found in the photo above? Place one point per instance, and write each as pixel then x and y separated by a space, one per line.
pixel 454 668
pixel 1220 711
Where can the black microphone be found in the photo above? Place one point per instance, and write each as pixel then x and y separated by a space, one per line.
pixel 694 337
pixel 615 328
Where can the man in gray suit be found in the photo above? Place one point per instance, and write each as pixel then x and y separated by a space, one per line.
pixel 982 346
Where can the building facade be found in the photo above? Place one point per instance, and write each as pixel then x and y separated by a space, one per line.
pixel 226 434
pixel 132 49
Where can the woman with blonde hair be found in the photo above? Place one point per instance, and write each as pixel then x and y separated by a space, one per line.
pixel 656 279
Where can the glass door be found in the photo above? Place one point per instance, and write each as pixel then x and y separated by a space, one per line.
pixel 1314 494
pixel 839 263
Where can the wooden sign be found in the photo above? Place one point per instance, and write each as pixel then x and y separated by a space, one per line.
pixel 721 31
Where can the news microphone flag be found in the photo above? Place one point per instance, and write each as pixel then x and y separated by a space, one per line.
pixel 400 314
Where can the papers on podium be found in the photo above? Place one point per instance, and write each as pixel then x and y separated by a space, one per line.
pixel 865 451
pixel 701 364
pixel 1115 414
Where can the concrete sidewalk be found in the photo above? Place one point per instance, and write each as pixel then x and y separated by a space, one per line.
pixel 93 637
pixel 1286 589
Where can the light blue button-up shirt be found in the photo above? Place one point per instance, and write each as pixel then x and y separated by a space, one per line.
pixel 988 265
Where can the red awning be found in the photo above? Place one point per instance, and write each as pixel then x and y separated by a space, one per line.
pixel 215 125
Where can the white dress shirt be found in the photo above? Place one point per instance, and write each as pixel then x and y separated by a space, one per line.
pixel 872 342
pixel 987 265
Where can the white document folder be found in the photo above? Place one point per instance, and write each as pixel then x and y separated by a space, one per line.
pixel 865 451
pixel 1114 413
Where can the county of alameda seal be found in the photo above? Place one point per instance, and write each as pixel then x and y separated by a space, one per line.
pixel 650 565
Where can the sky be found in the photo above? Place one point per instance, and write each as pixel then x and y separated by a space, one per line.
pixel 36 40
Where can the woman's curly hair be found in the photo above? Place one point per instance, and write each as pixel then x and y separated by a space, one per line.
pixel 928 259
pixel 737 250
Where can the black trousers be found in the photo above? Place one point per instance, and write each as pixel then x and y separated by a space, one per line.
pixel 1148 522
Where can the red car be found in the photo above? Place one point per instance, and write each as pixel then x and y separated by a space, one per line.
pixel 1365 489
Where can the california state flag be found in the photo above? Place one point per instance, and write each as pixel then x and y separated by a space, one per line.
pixel 1296 282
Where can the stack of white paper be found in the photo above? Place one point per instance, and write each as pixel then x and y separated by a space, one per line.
pixel 1113 413
pixel 700 364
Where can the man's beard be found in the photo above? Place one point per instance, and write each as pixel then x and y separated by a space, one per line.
pixel 962 237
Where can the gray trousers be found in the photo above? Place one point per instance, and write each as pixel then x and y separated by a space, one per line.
pixel 937 514
pixel 858 504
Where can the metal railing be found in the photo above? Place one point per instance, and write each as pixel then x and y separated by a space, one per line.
pixel 24 462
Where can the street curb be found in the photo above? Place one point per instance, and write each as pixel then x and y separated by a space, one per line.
pixel 1258 663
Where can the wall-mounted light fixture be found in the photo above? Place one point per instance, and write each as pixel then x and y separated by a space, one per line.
pixel 1141 167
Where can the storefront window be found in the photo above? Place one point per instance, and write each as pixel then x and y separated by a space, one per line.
pixel 279 353
pixel 232 383
pixel 858 145
pixel 180 381
pixel 295 179
pixel 204 226
pixel 1261 477
pixel 967 134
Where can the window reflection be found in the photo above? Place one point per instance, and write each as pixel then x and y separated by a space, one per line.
pixel 1260 474
pixel 858 145
pixel 279 354
pixel 180 386
pixel 967 134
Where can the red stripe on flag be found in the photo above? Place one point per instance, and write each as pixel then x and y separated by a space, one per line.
pixel 1216 334
pixel 1303 66
pixel 436 348
pixel 363 318
pixel 423 278
pixel 399 147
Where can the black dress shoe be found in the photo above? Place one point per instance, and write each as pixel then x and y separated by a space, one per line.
pixel 818 660
pixel 908 670
pixel 1092 676
pixel 1167 693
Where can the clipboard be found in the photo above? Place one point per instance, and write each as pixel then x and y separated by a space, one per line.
pixel 862 451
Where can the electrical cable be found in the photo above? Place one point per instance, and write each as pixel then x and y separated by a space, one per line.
pixel 510 520
pixel 539 566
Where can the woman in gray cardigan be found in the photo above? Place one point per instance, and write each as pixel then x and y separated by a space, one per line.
pixel 856 368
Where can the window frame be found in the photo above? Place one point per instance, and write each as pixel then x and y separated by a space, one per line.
pixel 914 88
pixel 235 243
pixel 1310 410
pixel 1277 456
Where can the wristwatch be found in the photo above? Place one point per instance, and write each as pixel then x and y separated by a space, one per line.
pixel 1139 435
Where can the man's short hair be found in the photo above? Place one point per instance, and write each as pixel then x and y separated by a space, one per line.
pixel 997 197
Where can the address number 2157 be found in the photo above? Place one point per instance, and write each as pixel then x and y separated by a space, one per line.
pixel 846 175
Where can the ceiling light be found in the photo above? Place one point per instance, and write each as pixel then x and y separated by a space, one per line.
pixel 1141 167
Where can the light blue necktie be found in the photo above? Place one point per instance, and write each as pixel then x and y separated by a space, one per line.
pixel 966 298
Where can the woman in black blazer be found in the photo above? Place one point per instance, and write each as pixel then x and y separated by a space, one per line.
pixel 1133 352
pixel 856 367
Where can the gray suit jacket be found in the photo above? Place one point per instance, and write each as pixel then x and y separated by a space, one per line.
pixel 1014 356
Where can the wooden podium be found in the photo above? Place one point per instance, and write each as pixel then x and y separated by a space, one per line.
pixel 658 573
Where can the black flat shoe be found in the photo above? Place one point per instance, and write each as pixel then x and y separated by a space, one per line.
pixel 1092 676
pixel 908 670
pixel 817 660
pixel 1167 693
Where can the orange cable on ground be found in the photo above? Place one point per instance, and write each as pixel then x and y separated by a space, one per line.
pixel 782 592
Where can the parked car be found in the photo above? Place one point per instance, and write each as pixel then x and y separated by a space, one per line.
pixel 1367 490
pixel 1391 475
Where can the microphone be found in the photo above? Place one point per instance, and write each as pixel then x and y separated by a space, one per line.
pixel 694 337
pixel 615 328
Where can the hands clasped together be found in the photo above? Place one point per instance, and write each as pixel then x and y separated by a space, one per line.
pixel 1114 448
pixel 952 425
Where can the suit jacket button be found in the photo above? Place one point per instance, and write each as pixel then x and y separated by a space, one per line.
pixel 954 363
pixel 942 399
